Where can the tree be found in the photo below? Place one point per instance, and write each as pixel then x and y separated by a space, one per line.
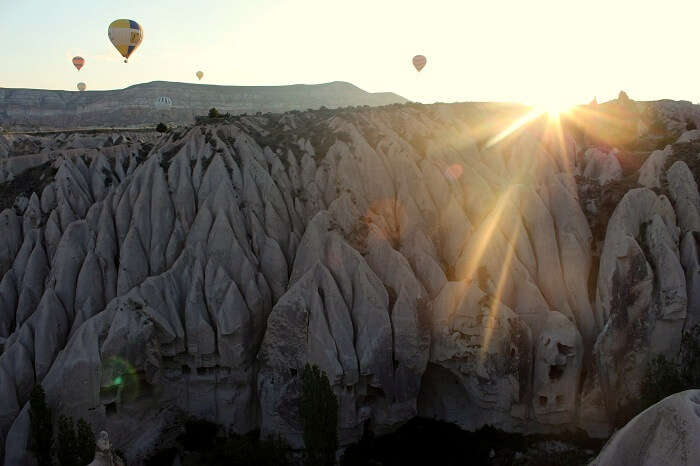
pixel 40 426
pixel 318 409
pixel 85 442
pixel 66 443
pixel 214 113
pixel 162 128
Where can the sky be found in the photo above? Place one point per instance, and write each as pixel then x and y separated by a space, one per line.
pixel 537 52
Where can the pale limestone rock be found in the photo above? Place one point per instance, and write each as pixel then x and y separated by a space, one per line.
pixel 213 269
pixel 689 136
pixel 686 200
pixel 104 456
pixel 574 239
pixel 10 240
pixel 557 369
pixel 652 169
pixel 601 166
pixel 475 339
pixel 665 433
pixel 690 259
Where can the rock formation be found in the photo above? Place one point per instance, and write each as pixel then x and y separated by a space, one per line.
pixel 665 433
pixel 426 266
pixel 104 456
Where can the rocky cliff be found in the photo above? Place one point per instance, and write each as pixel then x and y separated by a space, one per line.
pixel 136 105
pixel 431 260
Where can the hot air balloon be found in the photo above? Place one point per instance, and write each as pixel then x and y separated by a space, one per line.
pixel 200 75
pixel 419 62
pixel 78 62
pixel 82 87
pixel 163 103
pixel 125 35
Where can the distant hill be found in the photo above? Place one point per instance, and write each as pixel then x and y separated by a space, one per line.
pixel 134 105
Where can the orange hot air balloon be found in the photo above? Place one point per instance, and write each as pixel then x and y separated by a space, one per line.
pixel 419 62
pixel 78 62
pixel 200 75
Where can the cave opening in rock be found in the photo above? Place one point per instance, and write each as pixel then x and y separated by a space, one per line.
pixel 555 372
pixel 111 408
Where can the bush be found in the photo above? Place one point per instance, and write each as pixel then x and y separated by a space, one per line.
pixel 41 429
pixel 66 443
pixel 214 113
pixel 85 442
pixel 665 377
pixel 449 445
pixel 318 410
pixel 199 434
pixel 162 128
pixel 205 443
pixel 243 450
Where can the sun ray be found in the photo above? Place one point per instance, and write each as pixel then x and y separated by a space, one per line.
pixel 500 286
pixel 485 237
pixel 515 126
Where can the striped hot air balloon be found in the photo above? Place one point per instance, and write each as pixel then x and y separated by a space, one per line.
pixel 126 35
pixel 82 87
pixel 78 62
pixel 419 62
pixel 200 75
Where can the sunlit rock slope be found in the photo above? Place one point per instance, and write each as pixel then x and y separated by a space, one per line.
pixel 432 260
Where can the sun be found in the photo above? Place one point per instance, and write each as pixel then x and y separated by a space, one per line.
pixel 553 108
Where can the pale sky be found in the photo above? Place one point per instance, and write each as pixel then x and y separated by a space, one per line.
pixel 532 51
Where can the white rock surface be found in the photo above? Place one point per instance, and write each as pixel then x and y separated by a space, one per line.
pixel 425 274
pixel 665 433
pixel 601 166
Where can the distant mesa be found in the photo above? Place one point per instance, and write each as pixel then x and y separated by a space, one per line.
pixel 134 106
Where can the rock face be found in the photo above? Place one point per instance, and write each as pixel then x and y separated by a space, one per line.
pixel 104 456
pixel 135 105
pixel 665 433
pixel 424 268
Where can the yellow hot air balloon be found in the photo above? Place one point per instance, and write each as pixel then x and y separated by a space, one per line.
pixel 82 87
pixel 126 35
pixel 200 75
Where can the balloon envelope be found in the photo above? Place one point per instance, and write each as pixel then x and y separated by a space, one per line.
pixel 163 103
pixel 78 62
pixel 126 35
pixel 419 62
pixel 200 75
pixel 82 87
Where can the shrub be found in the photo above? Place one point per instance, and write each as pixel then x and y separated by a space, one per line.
pixel 66 443
pixel 162 128
pixel 85 442
pixel 40 426
pixel 690 125
pixel 214 113
pixel 199 434
pixel 665 377
pixel 205 443
pixel 318 410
